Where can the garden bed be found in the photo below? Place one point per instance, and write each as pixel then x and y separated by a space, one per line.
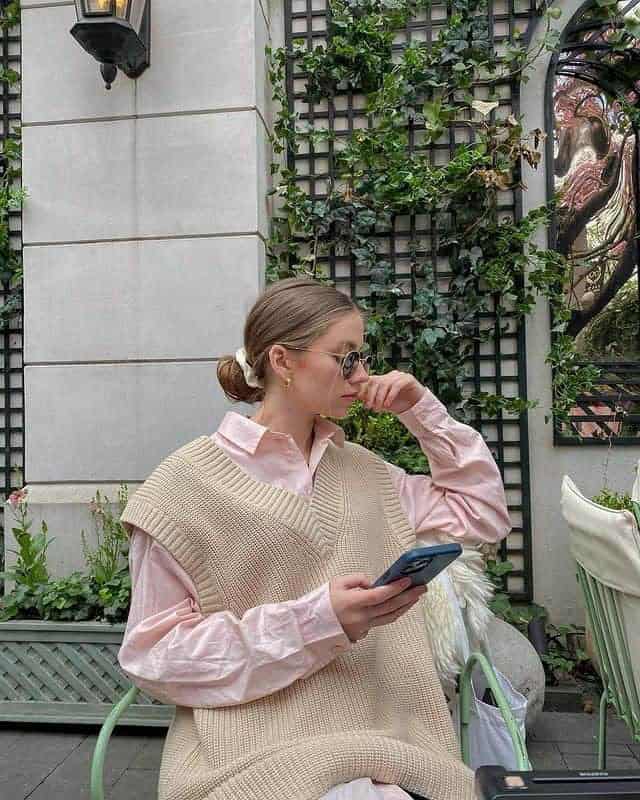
pixel 67 673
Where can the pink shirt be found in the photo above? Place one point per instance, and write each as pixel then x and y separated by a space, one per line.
pixel 175 653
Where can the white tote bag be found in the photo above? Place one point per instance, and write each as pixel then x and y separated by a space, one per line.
pixel 489 739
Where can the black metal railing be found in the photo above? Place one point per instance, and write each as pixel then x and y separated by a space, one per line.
pixel 12 406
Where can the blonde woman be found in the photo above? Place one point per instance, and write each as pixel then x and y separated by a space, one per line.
pixel 252 554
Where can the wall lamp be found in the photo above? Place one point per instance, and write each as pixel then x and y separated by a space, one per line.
pixel 116 33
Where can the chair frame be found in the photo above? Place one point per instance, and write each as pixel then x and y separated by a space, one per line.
pixel 479 659
pixel 100 750
pixel 482 660
pixel 619 686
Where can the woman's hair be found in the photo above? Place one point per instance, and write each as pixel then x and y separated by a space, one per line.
pixel 292 312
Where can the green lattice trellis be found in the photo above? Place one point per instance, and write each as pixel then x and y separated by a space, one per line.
pixel 66 673
pixel 497 366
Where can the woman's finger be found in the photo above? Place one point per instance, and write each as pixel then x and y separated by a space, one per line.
pixel 385 619
pixel 372 393
pixel 391 395
pixel 380 594
pixel 407 597
pixel 383 394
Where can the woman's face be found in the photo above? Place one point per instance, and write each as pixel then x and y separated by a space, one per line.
pixel 318 385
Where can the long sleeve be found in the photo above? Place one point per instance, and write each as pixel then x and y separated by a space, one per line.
pixel 463 498
pixel 176 654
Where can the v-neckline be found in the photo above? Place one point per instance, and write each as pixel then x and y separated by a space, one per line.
pixel 321 513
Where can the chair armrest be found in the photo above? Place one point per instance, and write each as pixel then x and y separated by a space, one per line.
pixel 100 751
pixel 635 506
pixel 465 708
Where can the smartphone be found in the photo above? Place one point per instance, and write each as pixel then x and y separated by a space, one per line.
pixel 421 564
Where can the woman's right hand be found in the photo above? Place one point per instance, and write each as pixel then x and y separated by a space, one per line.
pixel 359 608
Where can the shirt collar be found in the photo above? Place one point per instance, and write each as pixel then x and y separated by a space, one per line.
pixel 247 434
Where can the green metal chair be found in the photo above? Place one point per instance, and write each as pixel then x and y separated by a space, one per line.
pixel 100 750
pixel 482 660
pixel 479 659
pixel 606 546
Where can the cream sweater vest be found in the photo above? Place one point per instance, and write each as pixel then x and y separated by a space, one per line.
pixel 377 710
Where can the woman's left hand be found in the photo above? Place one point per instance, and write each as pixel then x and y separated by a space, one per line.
pixel 395 392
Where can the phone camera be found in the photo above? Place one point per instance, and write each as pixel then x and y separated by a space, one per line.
pixel 417 565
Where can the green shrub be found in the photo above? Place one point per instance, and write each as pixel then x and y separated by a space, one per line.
pixel 614 500
pixel 104 594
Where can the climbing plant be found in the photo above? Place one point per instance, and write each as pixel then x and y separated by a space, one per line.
pixel 377 174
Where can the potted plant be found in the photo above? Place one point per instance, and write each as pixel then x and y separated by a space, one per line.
pixel 59 637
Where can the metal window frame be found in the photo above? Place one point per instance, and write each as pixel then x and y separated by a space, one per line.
pixel 629 370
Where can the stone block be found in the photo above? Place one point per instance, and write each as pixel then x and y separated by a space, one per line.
pixel 200 174
pixel 203 57
pixel 261 77
pixel 66 84
pixel 192 175
pixel 140 300
pixel 81 182
pixel 115 422
pixel 44 3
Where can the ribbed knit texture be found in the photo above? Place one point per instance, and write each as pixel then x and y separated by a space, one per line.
pixel 376 711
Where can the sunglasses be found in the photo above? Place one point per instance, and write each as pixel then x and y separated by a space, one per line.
pixel 348 363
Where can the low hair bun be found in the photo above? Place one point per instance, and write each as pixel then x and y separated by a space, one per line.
pixel 231 379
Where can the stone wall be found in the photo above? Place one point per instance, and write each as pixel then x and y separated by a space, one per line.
pixel 144 233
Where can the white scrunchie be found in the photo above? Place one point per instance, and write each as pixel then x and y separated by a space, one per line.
pixel 249 375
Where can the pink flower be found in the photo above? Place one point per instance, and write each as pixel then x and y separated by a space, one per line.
pixel 95 508
pixel 17 497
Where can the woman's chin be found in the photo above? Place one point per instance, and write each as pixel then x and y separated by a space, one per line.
pixel 342 408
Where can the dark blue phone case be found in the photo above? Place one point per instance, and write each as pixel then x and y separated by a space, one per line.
pixel 421 564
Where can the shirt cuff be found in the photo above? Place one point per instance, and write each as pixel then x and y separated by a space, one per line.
pixel 426 414
pixel 319 625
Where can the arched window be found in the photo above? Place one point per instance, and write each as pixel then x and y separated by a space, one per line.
pixel 593 95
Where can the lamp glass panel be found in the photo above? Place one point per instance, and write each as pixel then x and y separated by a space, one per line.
pixel 99 6
pixel 136 12
pixel 122 9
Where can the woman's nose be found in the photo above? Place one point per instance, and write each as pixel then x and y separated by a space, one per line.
pixel 360 375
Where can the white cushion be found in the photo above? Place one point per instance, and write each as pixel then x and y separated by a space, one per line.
pixel 607 544
pixel 635 492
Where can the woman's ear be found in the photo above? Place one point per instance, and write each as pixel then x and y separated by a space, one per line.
pixel 280 362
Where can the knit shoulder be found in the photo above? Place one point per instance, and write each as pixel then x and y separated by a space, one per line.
pixel 151 504
pixel 367 459
pixel 357 451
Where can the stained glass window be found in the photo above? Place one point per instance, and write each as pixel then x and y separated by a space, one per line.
pixel 595 89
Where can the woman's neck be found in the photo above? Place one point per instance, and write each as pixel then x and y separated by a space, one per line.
pixel 283 419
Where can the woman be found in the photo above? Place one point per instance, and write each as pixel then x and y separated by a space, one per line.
pixel 252 555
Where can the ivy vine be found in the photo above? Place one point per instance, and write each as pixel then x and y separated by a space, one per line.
pixel 383 172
